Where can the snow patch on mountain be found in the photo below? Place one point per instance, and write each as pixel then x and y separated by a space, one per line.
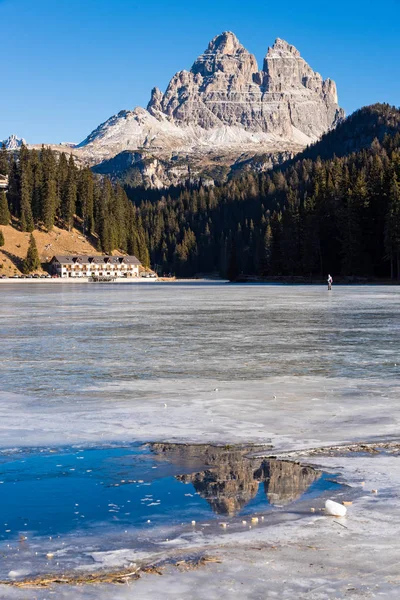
pixel 13 142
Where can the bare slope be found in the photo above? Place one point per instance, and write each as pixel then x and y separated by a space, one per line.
pixel 57 241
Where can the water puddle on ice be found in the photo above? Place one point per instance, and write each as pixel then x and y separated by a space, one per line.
pixel 71 494
pixel 53 492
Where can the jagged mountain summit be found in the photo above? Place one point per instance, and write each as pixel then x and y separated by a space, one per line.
pixel 13 142
pixel 223 112
pixel 224 87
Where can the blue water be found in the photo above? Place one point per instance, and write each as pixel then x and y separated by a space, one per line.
pixel 46 492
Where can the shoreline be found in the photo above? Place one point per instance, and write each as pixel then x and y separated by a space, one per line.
pixel 298 280
pixel 79 280
pixel 141 280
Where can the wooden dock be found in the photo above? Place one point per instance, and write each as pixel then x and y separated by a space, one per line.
pixel 102 278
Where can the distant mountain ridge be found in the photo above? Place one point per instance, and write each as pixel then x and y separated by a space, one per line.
pixel 223 111
pixel 13 142
pixel 356 133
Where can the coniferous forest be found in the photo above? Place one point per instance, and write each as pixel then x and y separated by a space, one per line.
pixel 309 217
pixel 45 189
pixel 337 214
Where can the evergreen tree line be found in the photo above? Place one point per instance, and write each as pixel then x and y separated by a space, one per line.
pixel 46 189
pixel 340 215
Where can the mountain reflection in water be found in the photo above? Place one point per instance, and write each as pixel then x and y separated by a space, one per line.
pixel 228 480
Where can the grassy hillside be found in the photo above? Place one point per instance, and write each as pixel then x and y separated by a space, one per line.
pixel 57 241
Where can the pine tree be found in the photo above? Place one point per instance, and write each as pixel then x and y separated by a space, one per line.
pixel 26 217
pixel 377 211
pixel 49 202
pixel 310 239
pixel 49 197
pixel 14 192
pixel 233 266
pixel 37 185
pixel 223 257
pixel 181 256
pixel 69 207
pixel 392 227
pixel 25 190
pixel 276 247
pixel 290 238
pixel 32 261
pixel 118 216
pixel 5 216
pixel 85 200
pixel 143 253
pixel 4 162
pixel 61 179
pixel 103 221
pixel 2 242
pixel 265 266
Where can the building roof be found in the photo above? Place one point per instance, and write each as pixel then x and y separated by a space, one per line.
pixel 63 260
pixel 130 260
pixel 81 259
pixel 97 260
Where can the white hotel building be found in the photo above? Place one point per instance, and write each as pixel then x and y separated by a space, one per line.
pixel 100 266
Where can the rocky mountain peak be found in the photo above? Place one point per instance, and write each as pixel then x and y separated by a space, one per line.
pixel 155 100
pixel 224 43
pixel 225 107
pixel 225 88
pixel 13 142
pixel 282 48
pixel 285 71
pixel 225 54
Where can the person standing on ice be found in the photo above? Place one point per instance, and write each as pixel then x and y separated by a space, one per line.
pixel 330 281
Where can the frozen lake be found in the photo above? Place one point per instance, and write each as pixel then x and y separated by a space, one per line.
pixel 89 373
pixel 57 341
pixel 195 362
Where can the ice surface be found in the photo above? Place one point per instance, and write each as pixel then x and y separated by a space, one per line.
pixel 292 365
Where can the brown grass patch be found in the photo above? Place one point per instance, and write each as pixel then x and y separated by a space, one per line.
pixel 119 577
pixel 49 243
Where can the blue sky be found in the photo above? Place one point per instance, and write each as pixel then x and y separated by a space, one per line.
pixel 68 65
